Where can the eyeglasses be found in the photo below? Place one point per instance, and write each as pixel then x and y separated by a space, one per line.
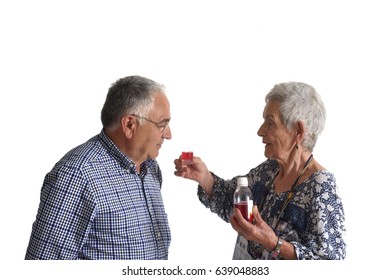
pixel 161 125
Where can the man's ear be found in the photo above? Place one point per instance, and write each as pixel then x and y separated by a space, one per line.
pixel 128 124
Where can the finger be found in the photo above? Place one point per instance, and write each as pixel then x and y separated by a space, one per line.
pixel 240 218
pixel 256 214
pixel 178 162
pixel 195 160
pixel 235 225
pixel 180 167
pixel 179 174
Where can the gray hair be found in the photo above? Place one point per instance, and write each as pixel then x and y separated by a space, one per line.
pixel 129 95
pixel 300 102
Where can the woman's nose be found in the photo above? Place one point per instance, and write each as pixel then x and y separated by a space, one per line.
pixel 260 132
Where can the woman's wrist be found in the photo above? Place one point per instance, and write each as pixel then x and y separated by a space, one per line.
pixel 277 248
pixel 207 184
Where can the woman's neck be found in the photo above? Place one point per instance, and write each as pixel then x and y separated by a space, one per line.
pixel 291 169
pixel 293 165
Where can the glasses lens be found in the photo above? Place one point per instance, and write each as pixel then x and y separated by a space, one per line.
pixel 162 128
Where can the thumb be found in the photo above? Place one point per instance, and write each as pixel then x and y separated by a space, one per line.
pixel 256 214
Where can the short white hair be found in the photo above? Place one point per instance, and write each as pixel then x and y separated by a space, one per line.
pixel 300 102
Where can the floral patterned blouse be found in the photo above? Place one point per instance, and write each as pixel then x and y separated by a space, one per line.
pixel 313 220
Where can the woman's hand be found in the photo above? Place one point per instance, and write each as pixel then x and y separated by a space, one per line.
pixel 259 231
pixel 197 171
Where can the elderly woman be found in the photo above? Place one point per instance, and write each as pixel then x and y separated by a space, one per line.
pixel 298 213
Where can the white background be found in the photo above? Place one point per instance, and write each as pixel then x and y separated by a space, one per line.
pixel 217 59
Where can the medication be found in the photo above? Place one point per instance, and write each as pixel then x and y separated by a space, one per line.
pixel 243 199
pixel 186 157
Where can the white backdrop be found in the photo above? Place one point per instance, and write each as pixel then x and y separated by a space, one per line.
pixel 217 59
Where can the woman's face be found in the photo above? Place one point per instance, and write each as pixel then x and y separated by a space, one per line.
pixel 279 141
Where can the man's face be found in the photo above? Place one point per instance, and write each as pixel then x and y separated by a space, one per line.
pixel 151 136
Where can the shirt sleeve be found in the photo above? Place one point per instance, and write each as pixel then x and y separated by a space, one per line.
pixel 65 210
pixel 221 200
pixel 326 228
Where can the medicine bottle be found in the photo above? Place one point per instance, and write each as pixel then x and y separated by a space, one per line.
pixel 243 198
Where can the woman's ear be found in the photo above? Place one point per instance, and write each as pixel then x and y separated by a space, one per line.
pixel 301 130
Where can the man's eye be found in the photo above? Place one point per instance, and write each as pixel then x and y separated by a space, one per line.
pixel 163 124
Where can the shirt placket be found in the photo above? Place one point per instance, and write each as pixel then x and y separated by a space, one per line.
pixel 151 200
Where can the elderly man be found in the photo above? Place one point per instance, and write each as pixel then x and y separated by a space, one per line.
pixel 102 200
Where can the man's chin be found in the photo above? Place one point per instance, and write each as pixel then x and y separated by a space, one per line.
pixel 153 155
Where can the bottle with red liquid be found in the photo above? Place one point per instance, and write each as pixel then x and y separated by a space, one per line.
pixel 243 198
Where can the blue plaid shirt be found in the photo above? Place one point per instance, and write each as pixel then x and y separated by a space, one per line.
pixel 94 205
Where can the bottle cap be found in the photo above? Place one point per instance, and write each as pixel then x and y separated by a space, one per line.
pixel 242 181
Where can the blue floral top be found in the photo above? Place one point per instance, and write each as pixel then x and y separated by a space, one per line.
pixel 313 220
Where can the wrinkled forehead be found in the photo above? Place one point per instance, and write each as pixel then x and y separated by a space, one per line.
pixel 271 108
